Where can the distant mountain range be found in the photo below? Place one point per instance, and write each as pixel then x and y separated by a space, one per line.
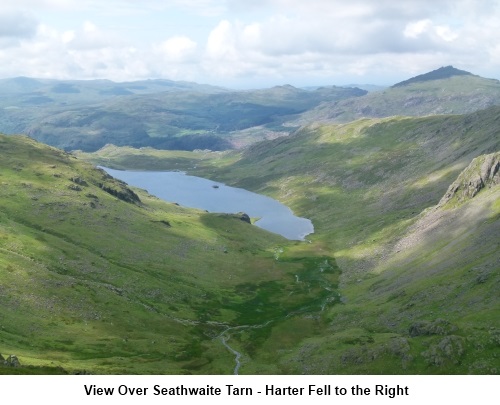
pixel 165 114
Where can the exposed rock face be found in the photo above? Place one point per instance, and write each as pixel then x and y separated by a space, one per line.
pixel 122 193
pixel 244 217
pixel 484 171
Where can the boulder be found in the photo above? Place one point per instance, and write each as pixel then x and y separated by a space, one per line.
pixel 12 361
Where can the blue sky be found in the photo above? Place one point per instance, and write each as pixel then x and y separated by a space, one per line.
pixel 248 44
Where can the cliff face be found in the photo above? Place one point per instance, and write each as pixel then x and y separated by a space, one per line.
pixel 484 171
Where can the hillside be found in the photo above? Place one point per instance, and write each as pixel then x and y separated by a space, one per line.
pixel 420 262
pixel 443 91
pixel 99 278
pixel 434 300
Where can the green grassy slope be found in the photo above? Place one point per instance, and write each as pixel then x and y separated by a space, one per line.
pixel 419 285
pixel 97 277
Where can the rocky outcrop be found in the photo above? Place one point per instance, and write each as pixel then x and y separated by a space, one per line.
pixel 244 217
pixel 122 193
pixel 118 189
pixel 428 328
pixel 78 180
pixel 448 350
pixel 12 361
pixel 483 171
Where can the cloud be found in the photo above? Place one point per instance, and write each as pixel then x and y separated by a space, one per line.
pixel 178 49
pixel 416 28
pixel 90 37
pixel 17 24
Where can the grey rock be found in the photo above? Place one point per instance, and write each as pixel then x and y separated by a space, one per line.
pixel 12 361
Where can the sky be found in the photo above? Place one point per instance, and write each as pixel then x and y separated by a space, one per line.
pixel 248 44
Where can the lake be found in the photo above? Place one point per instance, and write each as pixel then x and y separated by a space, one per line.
pixel 197 192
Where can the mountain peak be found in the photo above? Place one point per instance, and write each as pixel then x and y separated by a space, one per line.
pixel 444 72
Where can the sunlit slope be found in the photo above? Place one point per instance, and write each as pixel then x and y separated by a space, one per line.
pixel 97 277
pixel 354 180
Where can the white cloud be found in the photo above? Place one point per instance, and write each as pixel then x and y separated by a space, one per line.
pixel 417 28
pixel 221 41
pixel 446 33
pixel 179 49
pixel 90 37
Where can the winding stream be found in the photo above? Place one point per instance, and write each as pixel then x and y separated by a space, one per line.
pixel 236 353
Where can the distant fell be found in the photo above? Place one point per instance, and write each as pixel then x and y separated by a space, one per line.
pixel 444 72
pixel 444 91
